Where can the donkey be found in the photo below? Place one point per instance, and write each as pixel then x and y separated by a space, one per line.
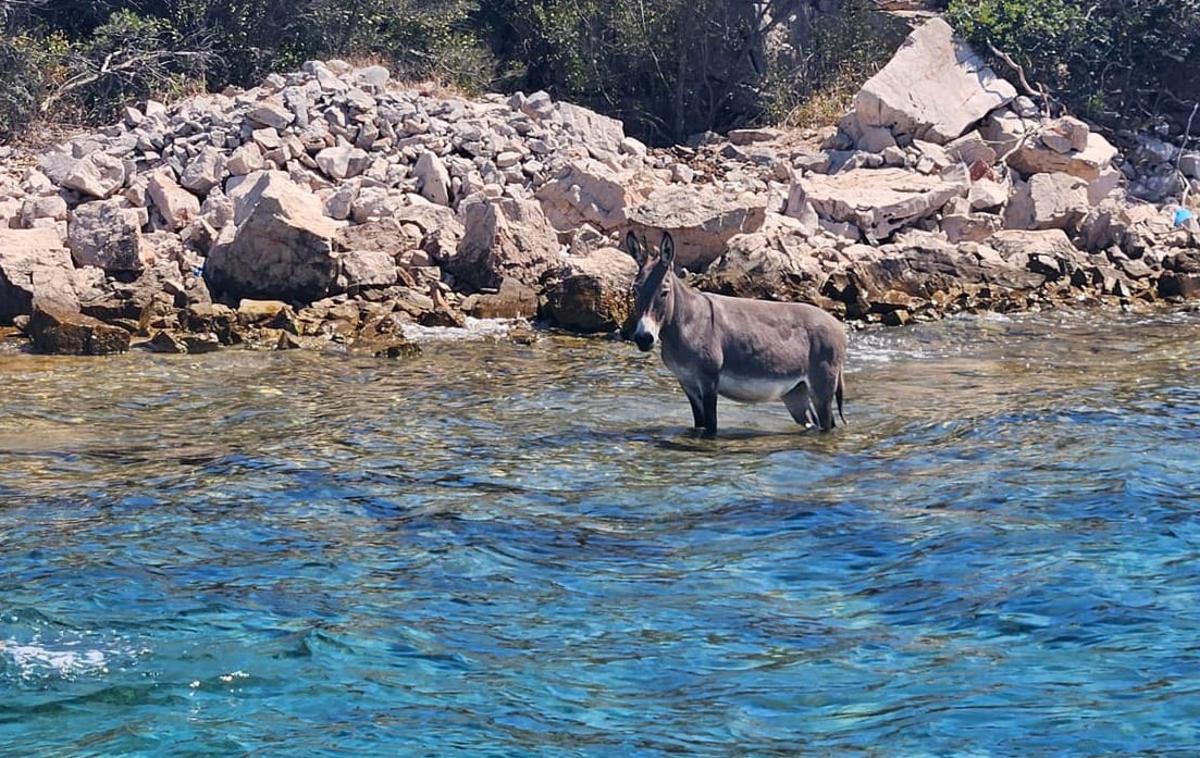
pixel 752 351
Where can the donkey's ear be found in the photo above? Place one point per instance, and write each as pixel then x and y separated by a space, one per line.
pixel 666 249
pixel 634 248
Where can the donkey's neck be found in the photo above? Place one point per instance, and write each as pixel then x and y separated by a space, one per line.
pixel 690 306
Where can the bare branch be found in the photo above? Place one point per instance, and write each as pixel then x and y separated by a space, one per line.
pixel 1039 93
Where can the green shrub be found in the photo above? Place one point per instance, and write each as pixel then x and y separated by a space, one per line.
pixel 29 67
pixel 1122 62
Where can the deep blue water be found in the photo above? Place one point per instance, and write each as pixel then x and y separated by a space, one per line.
pixel 520 551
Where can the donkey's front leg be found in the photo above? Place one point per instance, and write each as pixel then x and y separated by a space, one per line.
pixel 708 403
pixel 693 396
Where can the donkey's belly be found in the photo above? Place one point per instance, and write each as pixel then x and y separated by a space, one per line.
pixel 748 389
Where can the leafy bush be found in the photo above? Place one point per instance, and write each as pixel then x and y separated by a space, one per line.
pixel 29 67
pixel 129 57
pixel 1117 61
pixel 671 68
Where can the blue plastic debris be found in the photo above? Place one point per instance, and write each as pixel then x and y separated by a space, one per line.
pixel 1182 216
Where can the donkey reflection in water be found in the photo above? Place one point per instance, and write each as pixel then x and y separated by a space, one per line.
pixel 752 351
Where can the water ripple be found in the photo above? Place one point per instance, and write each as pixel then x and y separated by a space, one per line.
pixel 523 550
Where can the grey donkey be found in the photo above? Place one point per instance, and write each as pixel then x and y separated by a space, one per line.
pixel 752 351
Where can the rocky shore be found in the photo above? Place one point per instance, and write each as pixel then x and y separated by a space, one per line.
pixel 334 206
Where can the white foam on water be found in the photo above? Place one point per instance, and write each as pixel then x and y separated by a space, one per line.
pixel 33 660
pixel 476 329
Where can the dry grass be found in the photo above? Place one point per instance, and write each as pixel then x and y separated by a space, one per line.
pixel 823 108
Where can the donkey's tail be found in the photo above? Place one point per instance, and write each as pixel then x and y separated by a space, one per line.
pixel 841 385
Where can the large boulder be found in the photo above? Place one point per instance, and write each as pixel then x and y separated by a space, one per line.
pixel 34 265
pixel 589 192
pixel 433 179
pixel 58 330
pixel 595 130
pixel 1022 141
pixel 776 263
pixel 98 175
pixel 343 162
pixel 1047 252
pixel 880 201
pixel 1048 201
pixel 177 206
pixel 279 246
pixel 106 235
pixel 440 229
pixel 592 293
pixel 503 238
pixel 366 268
pixel 934 88
pixel 205 171
pixel 701 220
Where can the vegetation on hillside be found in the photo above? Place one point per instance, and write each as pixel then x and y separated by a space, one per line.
pixel 1119 62
pixel 669 68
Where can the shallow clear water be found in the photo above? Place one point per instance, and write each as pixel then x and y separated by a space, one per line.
pixel 506 550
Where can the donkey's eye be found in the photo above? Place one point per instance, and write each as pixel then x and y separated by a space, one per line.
pixel 662 295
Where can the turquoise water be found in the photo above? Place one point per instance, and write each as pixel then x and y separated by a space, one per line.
pixel 520 551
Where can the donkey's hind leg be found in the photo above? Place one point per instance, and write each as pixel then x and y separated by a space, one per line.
pixel 799 404
pixel 824 382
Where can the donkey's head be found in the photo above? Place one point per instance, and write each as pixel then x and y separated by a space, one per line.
pixel 653 291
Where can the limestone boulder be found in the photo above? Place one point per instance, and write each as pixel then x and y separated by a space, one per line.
pixel 1048 201
pixel 970 227
pixel 503 238
pixel 59 330
pixel 591 293
pixel 880 201
pixel 97 175
pixel 34 265
pixel 777 263
pixel 934 88
pixel 177 206
pixel 440 229
pixel 34 208
pixel 246 159
pixel 106 235
pixel 343 162
pixel 280 245
pixel 362 269
pixel 271 113
pixel 512 300
pixel 205 171
pixel 701 220
pixel 595 130
pixel 590 192
pixel 1022 141
pixel 1046 252
pixel 433 179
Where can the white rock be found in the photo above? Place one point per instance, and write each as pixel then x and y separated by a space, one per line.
pixel 271 113
pixel 204 171
pixel 177 206
pixel 880 201
pixel 343 162
pixel 106 235
pixel 246 159
pixel 98 175
pixel 701 220
pixel 433 180
pixel 933 88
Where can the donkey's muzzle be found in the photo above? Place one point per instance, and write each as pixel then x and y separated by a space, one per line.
pixel 643 341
